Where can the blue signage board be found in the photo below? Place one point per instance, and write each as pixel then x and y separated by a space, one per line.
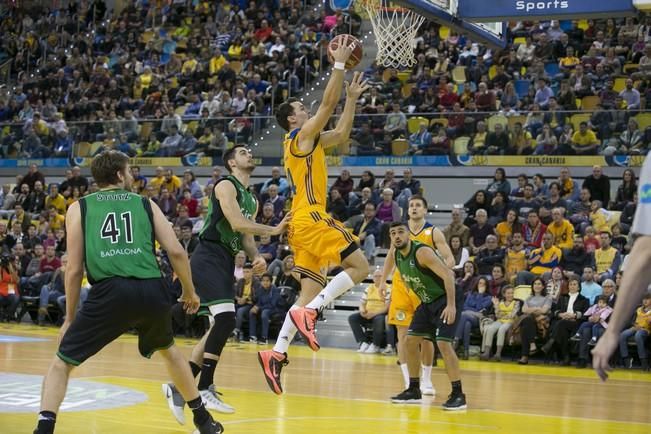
pixel 482 10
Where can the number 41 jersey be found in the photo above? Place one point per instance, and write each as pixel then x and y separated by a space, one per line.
pixel 118 229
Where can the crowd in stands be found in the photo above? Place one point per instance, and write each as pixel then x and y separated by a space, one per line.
pixel 539 264
pixel 200 73
pixel 567 88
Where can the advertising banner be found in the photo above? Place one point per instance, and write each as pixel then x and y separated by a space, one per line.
pixel 481 10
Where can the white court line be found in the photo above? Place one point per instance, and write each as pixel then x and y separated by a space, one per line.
pixel 368 419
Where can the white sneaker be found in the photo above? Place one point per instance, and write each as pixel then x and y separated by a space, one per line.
pixel 427 389
pixel 363 347
pixel 372 349
pixel 175 401
pixel 212 401
pixel 388 351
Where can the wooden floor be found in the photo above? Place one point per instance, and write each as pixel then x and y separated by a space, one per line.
pixel 333 391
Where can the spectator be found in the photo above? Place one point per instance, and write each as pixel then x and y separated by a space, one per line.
pixel 245 291
pixel 640 331
pixel 368 231
pixel 589 288
pixel 499 183
pixel 337 206
pixel 584 141
pixel 561 229
pixel 507 228
pixel 477 202
pixel 139 181
pixel 607 259
pixel 7 201
pixel 396 122
pixel 51 292
pixel 476 306
pixel 372 314
pixel 576 259
pixel 344 183
pixel 497 143
pixel 288 276
pixel 515 259
pixel 543 94
pixel 626 190
pixel 21 217
pixel 240 261
pixel 498 208
pixel 32 176
pixel 388 210
pixel 626 218
pixel 479 232
pixel 277 201
pixel 421 139
pixel 631 141
pixel 506 311
pixel 190 182
pixel 566 318
pixel 388 182
pixel 35 202
pixel 541 260
pixel 580 210
pixel 457 228
pixel 491 255
pixel 167 203
pixel 188 240
pixel 569 188
pixel 267 248
pixel 592 329
pixel 459 253
pixel 9 295
pixel 534 320
pixel 546 142
pixel 599 185
pixel 267 217
pixel 78 180
pixel 526 204
pixel 533 230
pixel 267 304
pixel 56 200
pixel 631 96
pixel 278 180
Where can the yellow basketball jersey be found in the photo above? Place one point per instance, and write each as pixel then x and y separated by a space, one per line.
pixel 307 173
pixel 425 235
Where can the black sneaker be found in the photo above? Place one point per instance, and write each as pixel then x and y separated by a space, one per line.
pixel 211 426
pixel 408 396
pixel 455 403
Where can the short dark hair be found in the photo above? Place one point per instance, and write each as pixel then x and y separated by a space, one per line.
pixel 229 155
pixel 603 298
pixel 248 266
pixel 367 204
pixel 528 184
pixel 397 224
pixel 267 275
pixel 419 197
pixel 284 111
pixel 105 167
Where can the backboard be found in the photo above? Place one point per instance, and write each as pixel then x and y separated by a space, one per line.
pixel 445 12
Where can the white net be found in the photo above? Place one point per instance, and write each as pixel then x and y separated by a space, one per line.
pixel 395 31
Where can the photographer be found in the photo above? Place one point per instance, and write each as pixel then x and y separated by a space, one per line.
pixel 9 296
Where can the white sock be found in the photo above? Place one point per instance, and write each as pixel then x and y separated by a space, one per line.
pixel 287 333
pixel 426 374
pixel 405 374
pixel 337 286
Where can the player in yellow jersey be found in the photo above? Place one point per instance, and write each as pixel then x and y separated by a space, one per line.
pixel 404 301
pixel 317 240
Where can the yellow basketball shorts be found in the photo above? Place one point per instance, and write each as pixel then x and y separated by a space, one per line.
pixel 318 242
pixel 404 303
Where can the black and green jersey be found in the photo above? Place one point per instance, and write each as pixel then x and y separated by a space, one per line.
pixel 118 228
pixel 423 281
pixel 216 227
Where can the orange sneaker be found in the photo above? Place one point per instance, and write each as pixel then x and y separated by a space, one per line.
pixel 305 321
pixel 272 363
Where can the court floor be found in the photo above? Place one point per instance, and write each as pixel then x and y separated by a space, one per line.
pixel 332 391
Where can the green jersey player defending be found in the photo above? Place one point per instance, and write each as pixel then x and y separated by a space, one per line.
pixel 112 232
pixel 425 273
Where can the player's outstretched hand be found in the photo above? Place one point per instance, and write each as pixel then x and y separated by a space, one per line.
pixel 258 266
pixel 357 86
pixel 602 352
pixel 282 226
pixel 190 302
pixel 344 50
pixel 449 314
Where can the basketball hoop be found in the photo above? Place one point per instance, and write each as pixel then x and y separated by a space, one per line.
pixel 395 31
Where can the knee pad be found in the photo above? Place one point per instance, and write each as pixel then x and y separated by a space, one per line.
pixel 220 332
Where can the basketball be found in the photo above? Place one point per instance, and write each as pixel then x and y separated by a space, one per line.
pixel 356 55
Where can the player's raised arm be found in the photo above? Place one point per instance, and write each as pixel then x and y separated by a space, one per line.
pixel 340 135
pixel 227 195
pixel 387 269
pixel 331 95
